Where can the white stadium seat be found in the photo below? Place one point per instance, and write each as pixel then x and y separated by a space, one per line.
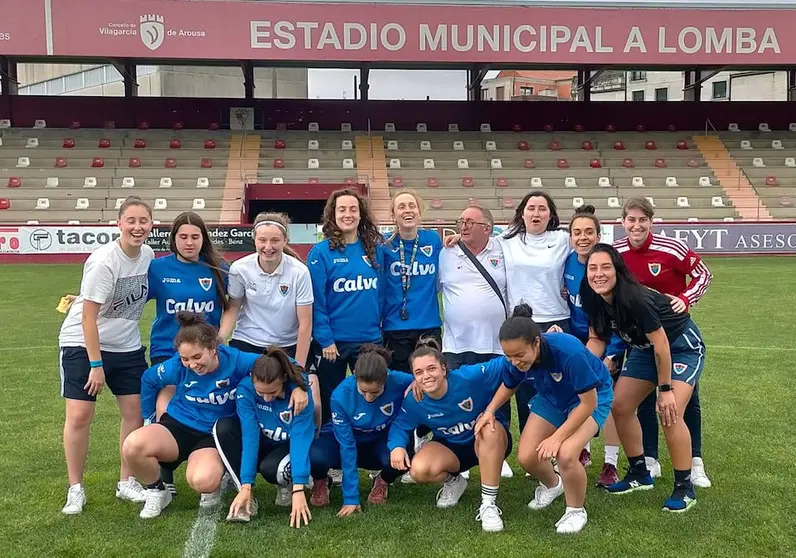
pixel 128 182
pixel 758 162
pixel 52 182
pixel 657 219
pixel 638 182
pixel 32 142
pixel 425 145
pixel 198 204
pixel 277 180
pixel 613 202
pixel 733 127
pixel 392 145
pixel 463 164
pixel 763 127
pixel 729 219
pixel 347 164
pixel 313 145
pixel 161 203
pixel 604 182
pixel 81 203
pixel 776 144
pixel 577 202
pixel 693 220
pixel 458 146
pixel 347 145
pixel 314 163
pixel 389 127
pixel 202 182
pixel 790 161
pixel 5 123
pixel 704 181
pixel 651 200
pixel 119 202
pixel 421 127
pixel 90 182
pixel 345 127
pixel 313 127
pixel 570 182
pixel 165 182
pixel 32 222
pixel 491 146
pixel 485 127
pixel 682 201
pixel 716 201
pixel 40 123
pixel 536 182
pixel 43 203
pixel 395 163
pixel 453 127
pixel 791 126
pixel 496 164
pixel 746 144
pixel 113 222
pixel 73 222
pixel 23 162
pixel 428 163
pixel 671 181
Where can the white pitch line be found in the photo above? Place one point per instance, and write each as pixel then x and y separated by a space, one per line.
pixel 203 534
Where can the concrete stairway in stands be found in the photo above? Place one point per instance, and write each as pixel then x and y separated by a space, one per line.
pixel 372 171
pixel 244 156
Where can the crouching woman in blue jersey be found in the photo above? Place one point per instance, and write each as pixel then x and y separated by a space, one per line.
pixel 363 407
pixel 450 406
pixel 205 375
pixel 573 399
pixel 272 434
pixel 666 346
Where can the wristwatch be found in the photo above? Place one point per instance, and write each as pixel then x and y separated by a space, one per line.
pixel 665 387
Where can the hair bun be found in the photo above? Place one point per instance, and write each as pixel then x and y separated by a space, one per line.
pixel 522 310
pixel 585 209
pixel 428 341
pixel 186 319
pixel 383 352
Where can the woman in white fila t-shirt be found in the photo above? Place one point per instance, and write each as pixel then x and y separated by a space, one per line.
pixel 100 344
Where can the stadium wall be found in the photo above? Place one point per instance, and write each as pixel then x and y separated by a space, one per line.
pixel 92 112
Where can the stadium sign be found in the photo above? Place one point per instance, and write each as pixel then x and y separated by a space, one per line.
pixel 369 32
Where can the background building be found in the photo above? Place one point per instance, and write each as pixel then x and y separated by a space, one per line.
pixel 529 85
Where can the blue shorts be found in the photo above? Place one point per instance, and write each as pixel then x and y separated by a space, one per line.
pixel 688 359
pixel 542 407
pixel 123 372
pixel 465 453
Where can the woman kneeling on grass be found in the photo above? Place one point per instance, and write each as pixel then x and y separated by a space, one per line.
pixel 573 399
pixel 272 434
pixel 452 403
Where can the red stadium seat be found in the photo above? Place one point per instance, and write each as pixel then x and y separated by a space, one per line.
pixel 785 201
pixel 555 145
pixel 432 182
pixel 522 146
pixel 143 125
pixel 595 164
pixel 682 144
pixel 587 145
pixel 97 162
pixel 74 125
pixel 672 128
pixel 279 163
pixel 641 128
pixel 398 182
pixel 580 128
pixel 279 144
pixel 502 182
pixel 109 124
pixel 60 162
pixel 436 204
pixel 467 181
pixel 104 143
pixel 610 128
pixel 472 201
pixel 516 128
pixel 771 181
pixel 175 144
pixel 349 180
pixel 650 145
pixel 140 143
pixel 206 163
pixel 69 143
pixel 529 164
pixel 660 163
pixel 693 163
pixel 548 128
pixel 5 203
pixel 134 162
pixel 628 163
pixel 177 125
pixel 210 144
pixel 619 145
pixel 213 126
pixel 562 164
pixel 14 182
pixel 507 203
pixel 313 180
pixel 171 163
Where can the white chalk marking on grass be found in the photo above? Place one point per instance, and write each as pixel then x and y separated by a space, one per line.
pixel 29 348
pixel 203 533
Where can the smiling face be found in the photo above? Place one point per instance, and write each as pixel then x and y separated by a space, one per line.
pixel 520 353
pixel 637 226
pixel 199 359
pixel 473 227
pixel 135 225
pixel 406 212
pixel 429 374
pixel 370 390
pixel 346 214
pixel 536 215
pixel 269 241
pixel 601 274
pixel 583 235
pixel 188 241
pixel 269 390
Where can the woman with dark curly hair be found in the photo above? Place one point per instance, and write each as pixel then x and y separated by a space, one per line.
pixel 346 282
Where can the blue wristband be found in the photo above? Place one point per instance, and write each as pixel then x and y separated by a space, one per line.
pixel 95 363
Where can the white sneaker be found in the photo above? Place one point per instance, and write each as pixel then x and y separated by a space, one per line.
pixel 156 502
pixel 506 471
pixel 284 496
pixel 131 491
pixel 242 516
pixel 653 466
pixel 698 475
pixel 573 521
pixel 75 500
pixel 406 478
pixel 337 476
pixel 465 475
pixel 545 496
pixel 448 496
pixel 489 516
pixel 212 499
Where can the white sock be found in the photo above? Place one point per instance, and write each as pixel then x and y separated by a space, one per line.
pixel 488 494
pixel 578 510
pixel 611 454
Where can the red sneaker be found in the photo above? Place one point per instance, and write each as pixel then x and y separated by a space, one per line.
pixel 608 476
pixel 585 457
pixel 320 493
pixel 378 493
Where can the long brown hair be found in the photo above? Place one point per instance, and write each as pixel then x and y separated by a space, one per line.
pixel 274 366
pixel 212 257
pixel 283 222
pixel 367 230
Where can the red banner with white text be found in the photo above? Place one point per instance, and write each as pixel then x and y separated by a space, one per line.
pixel 360 32
pixel 23 28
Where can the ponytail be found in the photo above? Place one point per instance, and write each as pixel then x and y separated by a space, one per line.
pixel 520 325
pixel 195 330
pixel 427 346
pixel 275 366
pixel 372 363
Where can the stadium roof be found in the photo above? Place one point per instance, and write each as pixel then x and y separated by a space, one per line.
pixel 682 4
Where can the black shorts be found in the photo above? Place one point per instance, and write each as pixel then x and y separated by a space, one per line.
pixel 256 349
pixel 466 455
pixel 402 343
pixel 123 372
pixel 188 440
pixel 158 359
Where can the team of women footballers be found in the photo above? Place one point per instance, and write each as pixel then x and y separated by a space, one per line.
pixel 276 401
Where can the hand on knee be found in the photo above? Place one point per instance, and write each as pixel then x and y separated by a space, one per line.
pixel 568 457
pixel 528 458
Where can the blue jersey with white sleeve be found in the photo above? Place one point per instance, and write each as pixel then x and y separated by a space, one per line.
pixel 357 421
pixel 565 369
pixel 574 271
pixel 453 416
pixel 176 286
pixel 277 423
pixel 421 263
pixel 346 288
pixel 200 399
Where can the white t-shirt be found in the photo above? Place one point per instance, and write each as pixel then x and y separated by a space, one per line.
pixel 268 315
pixel 535 273
pixel 471 311
pixel 119 285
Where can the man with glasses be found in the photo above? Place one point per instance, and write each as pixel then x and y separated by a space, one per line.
pixel 472 309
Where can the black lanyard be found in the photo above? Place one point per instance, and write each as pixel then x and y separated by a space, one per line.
pixel 406 273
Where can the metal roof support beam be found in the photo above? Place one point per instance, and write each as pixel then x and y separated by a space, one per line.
pixel 129 71
pixel 8 76
pixel 364 81
pixel 583 86
pixel 791 84
pixel 475 77
pixel 248 80
pixel 692 85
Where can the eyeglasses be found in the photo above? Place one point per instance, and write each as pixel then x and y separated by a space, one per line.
pixel 467 223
